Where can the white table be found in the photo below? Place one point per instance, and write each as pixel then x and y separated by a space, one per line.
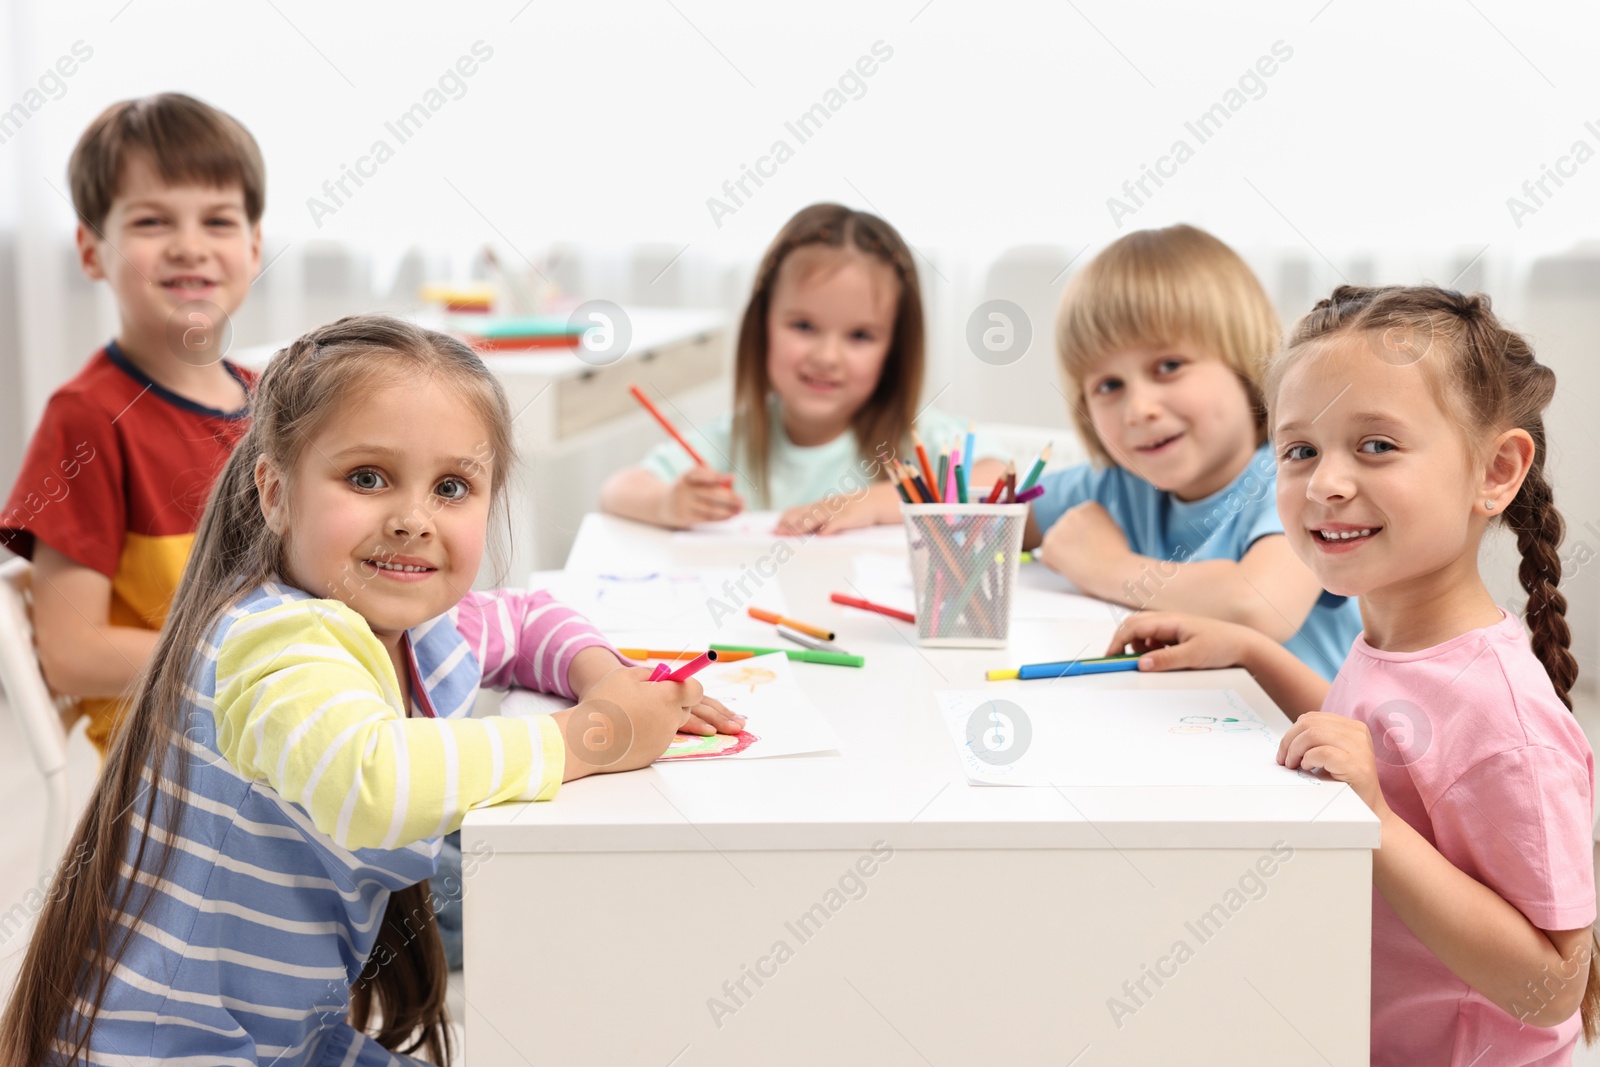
pixel 601 926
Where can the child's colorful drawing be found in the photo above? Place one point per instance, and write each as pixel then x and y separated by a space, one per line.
pixel 694 746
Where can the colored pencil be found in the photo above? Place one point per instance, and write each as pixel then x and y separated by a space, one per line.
pixel 805 628
pixel 972 428
pixel 652 653
pixel 951 493
pixel 944 472
pixel 897 479
pixel 867 605
pixel 800 655
pixel 1038 469
pixel 693 667
pixel 1011 483
pixel 994 493
pixel 913 495
pixel 927 468
pixel 922 487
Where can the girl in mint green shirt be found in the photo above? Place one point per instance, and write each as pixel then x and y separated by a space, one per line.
pixel 827 376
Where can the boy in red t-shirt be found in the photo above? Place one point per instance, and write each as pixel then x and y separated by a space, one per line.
pixel 169 194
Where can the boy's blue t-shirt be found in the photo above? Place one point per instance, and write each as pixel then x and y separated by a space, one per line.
pixel 1221 526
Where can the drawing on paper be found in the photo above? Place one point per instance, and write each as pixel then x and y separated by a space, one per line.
pixel 1222 724
pixel 694 746
pixel 751 676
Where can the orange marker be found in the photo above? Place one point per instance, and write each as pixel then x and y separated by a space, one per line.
pixel 655 412
pixel 776 619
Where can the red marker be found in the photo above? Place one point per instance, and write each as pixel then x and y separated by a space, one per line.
pixel 867 605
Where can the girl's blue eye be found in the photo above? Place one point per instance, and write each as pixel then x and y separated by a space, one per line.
pixel 1169 366
pixel 1294 452
pixel 452 489
pixel 1107 385
pixel 1385 446
pixel 366 480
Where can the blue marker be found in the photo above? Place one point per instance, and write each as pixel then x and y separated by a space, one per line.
pixel 1068 668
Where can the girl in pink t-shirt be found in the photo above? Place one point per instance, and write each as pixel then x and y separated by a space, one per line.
pixel 1405 421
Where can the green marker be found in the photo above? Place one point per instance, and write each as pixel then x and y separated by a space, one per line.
pixel 803 655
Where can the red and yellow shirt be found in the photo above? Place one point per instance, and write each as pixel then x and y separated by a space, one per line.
pixel 116 478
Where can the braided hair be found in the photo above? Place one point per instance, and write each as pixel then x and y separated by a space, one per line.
pixel 1492 382
pixel 1489 378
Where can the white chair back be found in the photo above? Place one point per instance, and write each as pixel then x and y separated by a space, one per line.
pixel 33 705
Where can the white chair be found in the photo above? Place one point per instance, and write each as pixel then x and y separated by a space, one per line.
pixel 35 709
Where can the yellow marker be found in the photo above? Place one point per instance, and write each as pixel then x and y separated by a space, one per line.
pixel 1002 676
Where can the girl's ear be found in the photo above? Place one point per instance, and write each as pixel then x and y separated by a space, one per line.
pixel 269 487
pixel 1509 459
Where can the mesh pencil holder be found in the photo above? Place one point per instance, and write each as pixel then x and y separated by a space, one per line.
pixel 964 571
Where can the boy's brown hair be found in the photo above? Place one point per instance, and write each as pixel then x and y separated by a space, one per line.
pixel 1166 287
pixel 187 141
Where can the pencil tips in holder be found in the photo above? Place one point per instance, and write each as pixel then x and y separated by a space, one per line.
pixel 964 571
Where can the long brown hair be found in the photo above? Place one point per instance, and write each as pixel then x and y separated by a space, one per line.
pixel 79 941
pixel 887 415
pixel 1491 380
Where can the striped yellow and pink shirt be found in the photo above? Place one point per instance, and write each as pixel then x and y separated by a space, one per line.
pixel 310 795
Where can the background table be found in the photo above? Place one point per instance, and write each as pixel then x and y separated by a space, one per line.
pixel 1007 925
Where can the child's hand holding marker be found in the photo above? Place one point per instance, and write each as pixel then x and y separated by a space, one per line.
pixel 624 722
pixel 710 716
pixel 700 495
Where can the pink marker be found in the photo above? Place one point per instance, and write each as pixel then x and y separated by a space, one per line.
pixel 661 671
pixel 694 666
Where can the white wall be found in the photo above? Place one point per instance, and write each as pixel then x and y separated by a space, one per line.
pixel 1385 147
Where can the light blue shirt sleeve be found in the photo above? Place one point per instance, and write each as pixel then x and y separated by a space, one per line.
pixel 1063 490
pixel 1258 484
pixel 714 441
